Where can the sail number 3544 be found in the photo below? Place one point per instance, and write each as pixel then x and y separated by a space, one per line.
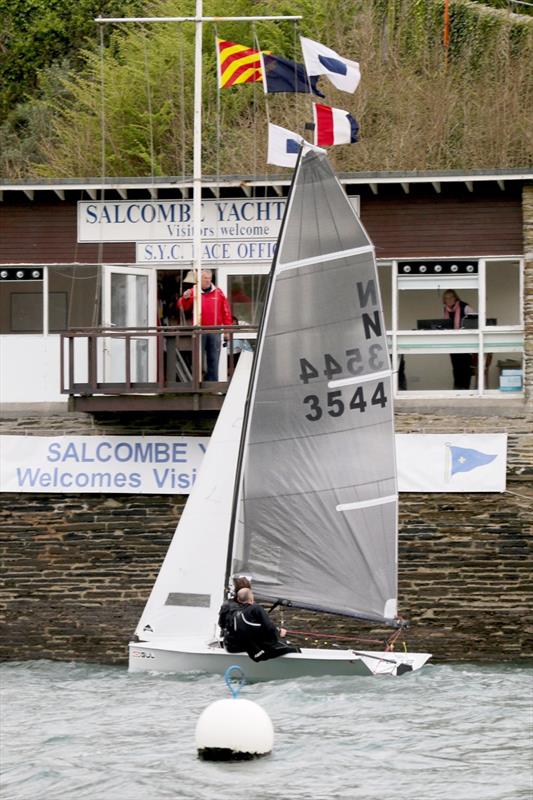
pixel 336 405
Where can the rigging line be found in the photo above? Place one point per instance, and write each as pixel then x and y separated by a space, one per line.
pixel 76 243
pixel 320 635
pixel 394 636
pixel 296 109
pixel 77 277
pixel 254 118
pixel 263 73
pixel 308 78
pixel 96 318
pixel 267 109
pixel 374 618
pixel 100 249
pixel 182 100
pixel 149 102
pixel 218 126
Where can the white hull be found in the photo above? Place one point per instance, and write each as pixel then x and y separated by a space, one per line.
pixel 174 655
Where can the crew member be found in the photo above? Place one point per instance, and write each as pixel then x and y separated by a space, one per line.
pixel 253 631
pixel 230 606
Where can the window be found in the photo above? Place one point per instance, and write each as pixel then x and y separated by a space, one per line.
pixel 503 291
pixel 73 298
pixel 247 295
pixel 385 290
pixel 21 299
pixel 37 300
pixel 429 354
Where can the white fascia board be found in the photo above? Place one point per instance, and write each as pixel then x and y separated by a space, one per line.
pixel 365 180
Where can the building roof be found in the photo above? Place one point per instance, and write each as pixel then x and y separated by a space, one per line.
pixel 247 184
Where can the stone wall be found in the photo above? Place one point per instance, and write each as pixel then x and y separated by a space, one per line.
pixel 78 568
pixel 527 221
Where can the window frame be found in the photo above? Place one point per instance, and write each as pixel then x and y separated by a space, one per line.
pixel 396 336
pixel 45 281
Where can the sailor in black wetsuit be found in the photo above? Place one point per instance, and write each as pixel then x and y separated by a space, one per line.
pixel 230 606
pixel 252 630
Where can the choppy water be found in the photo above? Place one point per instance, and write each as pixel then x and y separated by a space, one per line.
pixel 88 732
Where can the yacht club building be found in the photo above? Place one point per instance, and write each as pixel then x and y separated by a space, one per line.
pixel 76 255
pixel 89 278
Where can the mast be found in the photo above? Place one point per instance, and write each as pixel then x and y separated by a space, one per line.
pixel 197 165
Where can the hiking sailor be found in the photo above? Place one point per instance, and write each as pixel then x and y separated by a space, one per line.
pixel 250 629
pixel 230 606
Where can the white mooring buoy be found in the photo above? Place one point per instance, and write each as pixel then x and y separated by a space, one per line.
pixel 234 729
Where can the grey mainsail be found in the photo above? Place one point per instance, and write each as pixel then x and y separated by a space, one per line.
pixel 316 509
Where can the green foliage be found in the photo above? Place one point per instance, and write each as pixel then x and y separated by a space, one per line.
pixel 417 108
pixel 36 33
pixel 508 5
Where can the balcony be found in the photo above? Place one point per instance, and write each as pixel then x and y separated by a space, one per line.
pixel 146 369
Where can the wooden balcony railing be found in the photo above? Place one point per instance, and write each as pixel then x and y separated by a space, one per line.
pixel 144 361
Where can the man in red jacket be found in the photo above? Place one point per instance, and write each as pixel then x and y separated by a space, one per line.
pixel 215 311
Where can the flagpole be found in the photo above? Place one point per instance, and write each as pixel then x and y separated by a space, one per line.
pixel 197 166
pixel 198 20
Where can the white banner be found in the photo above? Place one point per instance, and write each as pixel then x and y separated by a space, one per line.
pixel 106 464
pixel 238 223
pixel 465 462
pixel 172 220
pixel 169 464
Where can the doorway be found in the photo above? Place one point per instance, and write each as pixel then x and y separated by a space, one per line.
pixel 129 301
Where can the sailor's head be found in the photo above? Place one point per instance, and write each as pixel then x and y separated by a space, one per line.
pixel 241 582
pixel 245 595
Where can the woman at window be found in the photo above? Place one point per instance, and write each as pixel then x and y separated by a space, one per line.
pixel 456 310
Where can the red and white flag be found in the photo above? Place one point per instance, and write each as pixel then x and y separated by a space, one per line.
pixel 334 126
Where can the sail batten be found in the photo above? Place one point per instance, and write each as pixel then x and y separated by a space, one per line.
pixel 372 376
pixel 378 501
pixel 319 434
pixel 304 262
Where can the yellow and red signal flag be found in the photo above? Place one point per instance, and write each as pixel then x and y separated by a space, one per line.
pixel 237 64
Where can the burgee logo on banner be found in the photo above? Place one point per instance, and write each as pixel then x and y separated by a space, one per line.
pixel 451 463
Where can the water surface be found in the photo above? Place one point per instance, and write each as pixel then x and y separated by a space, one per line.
pixel 89 732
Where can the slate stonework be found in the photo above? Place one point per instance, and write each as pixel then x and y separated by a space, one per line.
pixel 79 568
pixel 527 222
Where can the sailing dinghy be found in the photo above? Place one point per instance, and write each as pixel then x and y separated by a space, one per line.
pixel 298 485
